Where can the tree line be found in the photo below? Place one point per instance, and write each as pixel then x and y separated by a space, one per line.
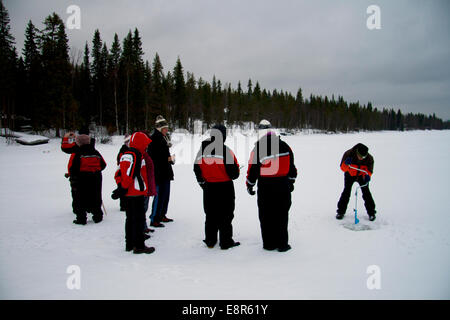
pixel 51 87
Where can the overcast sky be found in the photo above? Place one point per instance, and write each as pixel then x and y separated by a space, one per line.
pixel 324 47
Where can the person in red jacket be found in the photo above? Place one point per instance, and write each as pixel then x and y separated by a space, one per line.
pixel 117 192
pixel 215 168
pixel 134 180
pixel 85 170
pixel 357 164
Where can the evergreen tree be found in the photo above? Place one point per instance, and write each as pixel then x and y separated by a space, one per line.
pixel 157 93
pixel 98 71
pixel 33 78
pixel 85 94
pixel 55 61
pixel 8 57
pixel 179 100
pixel 126 70
pixel 114 61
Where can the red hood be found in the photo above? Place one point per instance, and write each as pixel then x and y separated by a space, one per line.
pixel 140 141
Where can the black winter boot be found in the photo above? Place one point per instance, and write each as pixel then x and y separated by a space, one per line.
pixel 230 245
pixel 284 248
pixel 79 221
pixel 145 249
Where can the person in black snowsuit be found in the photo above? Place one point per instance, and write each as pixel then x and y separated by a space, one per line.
pixel 215 168
pixel 158 150
pixel 85 173
pixel 272 165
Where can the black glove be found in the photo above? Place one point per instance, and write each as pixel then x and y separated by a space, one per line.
pixel 250 190
pixel 118 193
pixel 291 186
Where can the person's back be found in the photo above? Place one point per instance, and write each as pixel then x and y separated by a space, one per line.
pixel 86 178
pixel 215 168
pixel 272 165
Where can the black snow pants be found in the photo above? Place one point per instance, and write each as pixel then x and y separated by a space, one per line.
pixel 274 202
pixel 87 195
pixel 218 203
pixel 345 196
pixel 134 222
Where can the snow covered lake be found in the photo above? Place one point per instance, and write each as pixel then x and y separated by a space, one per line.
pixel 409 243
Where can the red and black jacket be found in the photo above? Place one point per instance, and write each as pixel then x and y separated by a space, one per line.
pixel 133 170
pixel 215 163
pixel 86 160
pixel 271 160
pixel 365 164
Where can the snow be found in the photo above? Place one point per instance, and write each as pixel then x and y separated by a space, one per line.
pixel 409 242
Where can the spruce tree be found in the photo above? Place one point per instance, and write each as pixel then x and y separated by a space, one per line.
pixel 33 80
pixel 179 99
pixel 98 71
pixel 114 61
pixel 8 62
pixel 55 61
pixel 157 95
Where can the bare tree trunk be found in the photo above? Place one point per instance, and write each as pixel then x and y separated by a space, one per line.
pixel 146 116
pixel 115 105
pixel 126 117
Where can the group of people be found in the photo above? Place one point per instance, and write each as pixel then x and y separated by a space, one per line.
pixel 145 170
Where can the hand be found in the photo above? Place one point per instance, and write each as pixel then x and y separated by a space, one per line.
pixel 250 190
pixel 119 192
pixel 291 186
pixel 348 161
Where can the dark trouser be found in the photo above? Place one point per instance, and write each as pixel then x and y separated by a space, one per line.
pixel 345 196
pixel 87 195
pixel 218 203
pixel 122 203
pixel 134 223
pixel 160 201
pixel 274 202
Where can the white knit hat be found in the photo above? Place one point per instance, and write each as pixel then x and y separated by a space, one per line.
pixel 161 123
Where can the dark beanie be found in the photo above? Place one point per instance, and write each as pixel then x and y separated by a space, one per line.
pixel 84 130
pixel 222 130
pixel 362 149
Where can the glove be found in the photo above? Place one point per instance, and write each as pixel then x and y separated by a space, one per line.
pixel 250 190
pixel 348 161
pixel 118 193
pixel 366 178
pixel 291 186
